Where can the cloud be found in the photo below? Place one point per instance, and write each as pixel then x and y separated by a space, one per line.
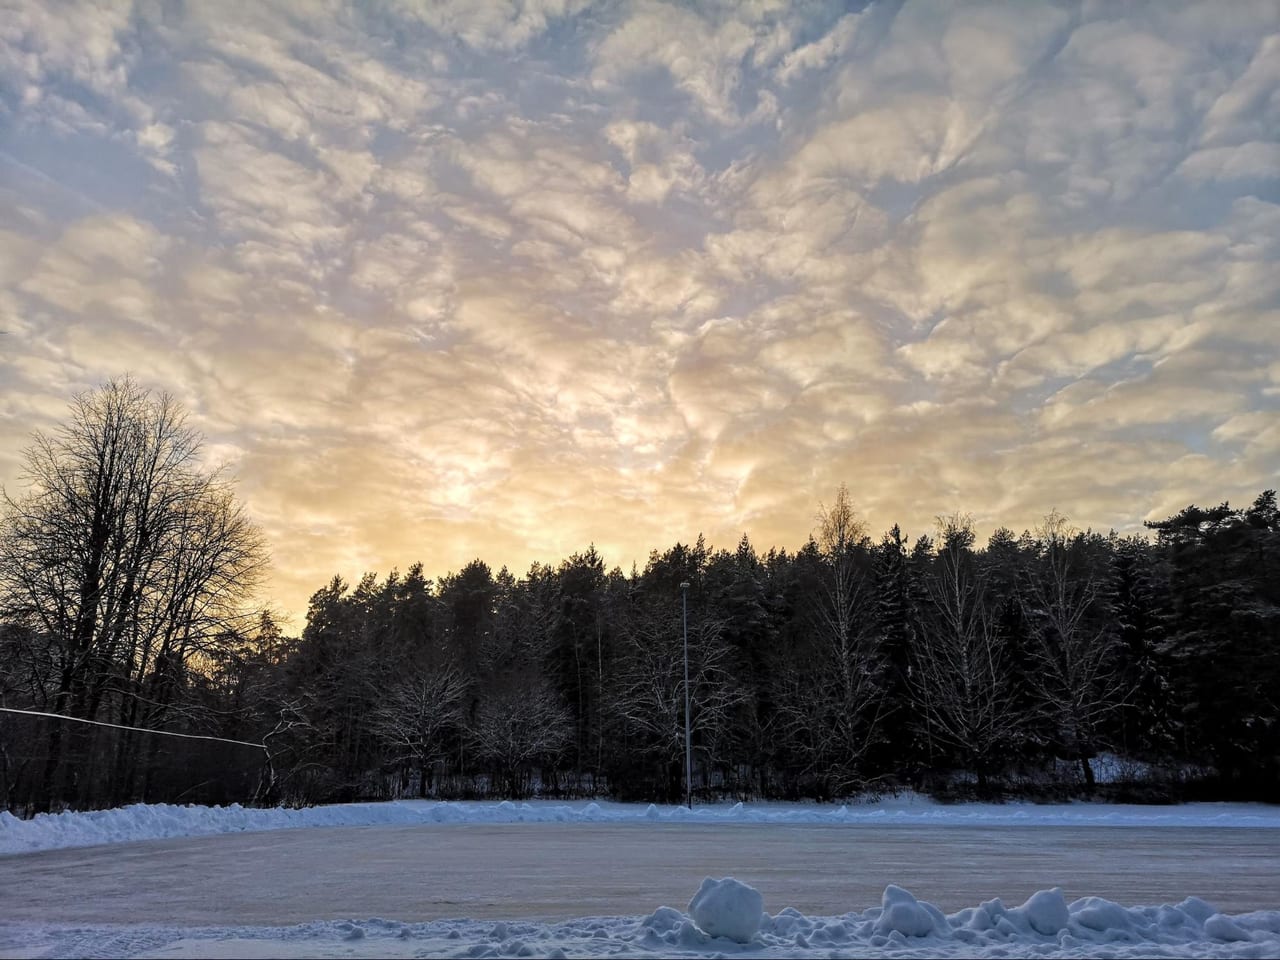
pixel 83 43
pixel 1253 160
pixel 500 279
pixel 659 161
pixel 1248 109
pixel 490 24
pixel 820 53
pixel 703 59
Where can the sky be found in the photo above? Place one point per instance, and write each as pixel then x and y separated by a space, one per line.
pixel 503 279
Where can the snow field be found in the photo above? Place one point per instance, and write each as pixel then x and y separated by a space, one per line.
pixel 723 919
pixel 159 821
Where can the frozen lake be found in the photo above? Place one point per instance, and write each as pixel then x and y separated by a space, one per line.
pixel 564 870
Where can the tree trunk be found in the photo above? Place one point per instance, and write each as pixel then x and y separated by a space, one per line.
pixel 53 759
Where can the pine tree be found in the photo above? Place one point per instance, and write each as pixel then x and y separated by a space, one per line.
pixel 1224 639
pixel 1144 724
pixel 898 595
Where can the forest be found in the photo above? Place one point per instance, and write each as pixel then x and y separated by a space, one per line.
pixel 138 662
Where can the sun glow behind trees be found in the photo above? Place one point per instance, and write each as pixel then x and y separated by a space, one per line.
pixel 127 570
pixel 127 577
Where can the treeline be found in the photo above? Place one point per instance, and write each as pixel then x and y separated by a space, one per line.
pixel 854 663
pixel 847 665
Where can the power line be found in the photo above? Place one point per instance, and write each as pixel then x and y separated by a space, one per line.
pixel 121 726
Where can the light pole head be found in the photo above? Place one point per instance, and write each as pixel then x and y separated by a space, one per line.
pixel 684 585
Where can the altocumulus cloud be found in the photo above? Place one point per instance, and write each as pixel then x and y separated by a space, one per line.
pixel 498 279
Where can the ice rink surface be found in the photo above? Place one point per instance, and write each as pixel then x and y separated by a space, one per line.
pixel 496 880
pixel 559 871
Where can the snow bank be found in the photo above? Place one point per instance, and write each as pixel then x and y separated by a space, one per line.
pixel 157 821
pixel 1044 926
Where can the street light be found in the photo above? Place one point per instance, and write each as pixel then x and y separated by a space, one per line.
pixel 688 739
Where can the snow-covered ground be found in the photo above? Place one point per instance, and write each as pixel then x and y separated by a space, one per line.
pixel 1045 925
pixel 158 821
pixel 214 897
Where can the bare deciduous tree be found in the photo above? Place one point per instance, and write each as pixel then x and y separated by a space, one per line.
pixel 518 723
pixel 648 691
pixel 830 701
pixel 960 667
pixel 843 612
pixel 413 715
pixel 126 557
pixel 1076 676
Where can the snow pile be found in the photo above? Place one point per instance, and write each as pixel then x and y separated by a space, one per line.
pixel 1044 926
pixel 1045 913
pixel 903 913
pixel 157 821
pixel 727 908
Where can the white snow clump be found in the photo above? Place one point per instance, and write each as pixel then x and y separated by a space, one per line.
pixel 1046 911
pixel 727 908
pixel 902 912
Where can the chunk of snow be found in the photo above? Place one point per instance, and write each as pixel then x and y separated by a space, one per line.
pixel 902 912
pixel 1046 912
pixel 1197 909
pixel 1222 927
pixel 663 920
pixel 688 936
pixel 727 908
pixel 1099 914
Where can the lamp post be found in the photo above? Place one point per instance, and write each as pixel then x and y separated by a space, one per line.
pixel 688 737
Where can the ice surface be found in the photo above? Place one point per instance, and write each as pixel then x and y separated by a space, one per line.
pixel 1045 924
pixel 727 908
pixel 156 821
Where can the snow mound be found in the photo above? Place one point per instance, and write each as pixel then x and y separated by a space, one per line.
pixel 160 821
pixel 727 908
pixel 1044 924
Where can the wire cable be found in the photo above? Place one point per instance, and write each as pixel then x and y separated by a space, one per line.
pixel 121 726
